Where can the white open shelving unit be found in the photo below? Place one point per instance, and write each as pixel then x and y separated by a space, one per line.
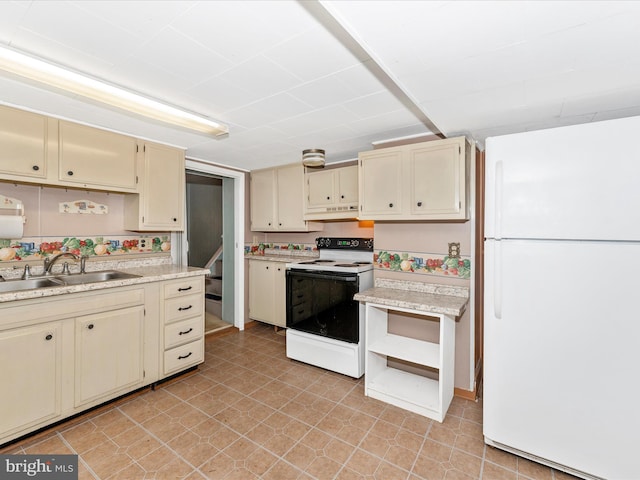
pixel 426 396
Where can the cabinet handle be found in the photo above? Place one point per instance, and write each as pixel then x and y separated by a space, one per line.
pixel 184 289
pixel 35 168
pixel 175 219
pixel 90 326
pixel 70 173
pixel 48 337
pixel 391 205
pixel 328 198
pixel 341 196
pixel 182 357
pixel 184 308
pixel 419 204
pixel 267 267
pixel 184 333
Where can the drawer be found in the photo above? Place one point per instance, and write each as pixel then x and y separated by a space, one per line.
pixel 182 308
pixel 185 356
pixel 183 332
pixel 184 286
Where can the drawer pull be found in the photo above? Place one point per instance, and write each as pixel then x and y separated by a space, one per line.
pixel 182 357
pixel 48 337
pixel 184 333
pixel 36 168
pixel 180 309
pixel 90 326
pixel 181 289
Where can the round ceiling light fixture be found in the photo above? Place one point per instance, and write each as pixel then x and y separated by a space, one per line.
pixel 313 157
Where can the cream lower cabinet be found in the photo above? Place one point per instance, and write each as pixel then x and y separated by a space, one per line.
pixel 64 354
pixel 423 181
pixel 183 324
pixel 267 292
pixel 160 205
pixel 31 376
pixel 109 353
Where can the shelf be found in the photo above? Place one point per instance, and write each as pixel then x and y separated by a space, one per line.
pixel 409 349
pixel 406 390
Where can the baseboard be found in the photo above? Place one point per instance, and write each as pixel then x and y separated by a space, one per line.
pixel 467 394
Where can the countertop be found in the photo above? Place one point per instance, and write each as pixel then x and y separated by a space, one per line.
pixel 284 256
pixel 423 297
pixel 153 273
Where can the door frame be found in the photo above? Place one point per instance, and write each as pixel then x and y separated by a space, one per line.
pixel 238 227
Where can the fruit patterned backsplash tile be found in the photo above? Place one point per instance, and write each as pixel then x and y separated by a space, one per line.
pixel 259 249
pixel 40 247
pixel 423 263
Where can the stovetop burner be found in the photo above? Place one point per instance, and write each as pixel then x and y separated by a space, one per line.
pixel 351 255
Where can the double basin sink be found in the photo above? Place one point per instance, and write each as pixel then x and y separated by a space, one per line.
pixel 9 286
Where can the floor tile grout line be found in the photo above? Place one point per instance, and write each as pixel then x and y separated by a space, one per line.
pixel 158 439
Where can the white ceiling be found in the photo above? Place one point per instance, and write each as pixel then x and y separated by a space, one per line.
pixel 338 75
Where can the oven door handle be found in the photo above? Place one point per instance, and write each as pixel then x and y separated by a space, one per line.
pixel 315 274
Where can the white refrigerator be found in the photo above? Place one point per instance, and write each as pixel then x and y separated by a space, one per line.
pixel 562 297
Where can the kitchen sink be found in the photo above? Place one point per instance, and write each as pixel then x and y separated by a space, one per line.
pixel 29 284
pixel 63 280
pixel 94 277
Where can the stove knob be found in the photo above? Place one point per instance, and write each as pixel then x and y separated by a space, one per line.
pixel 355 243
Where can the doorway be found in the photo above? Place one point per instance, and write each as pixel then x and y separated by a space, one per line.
pixel 213 239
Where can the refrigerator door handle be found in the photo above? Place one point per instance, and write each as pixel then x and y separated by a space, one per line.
pixel 499 183
pixel 497 281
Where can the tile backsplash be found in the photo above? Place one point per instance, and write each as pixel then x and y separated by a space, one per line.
pixel 34 248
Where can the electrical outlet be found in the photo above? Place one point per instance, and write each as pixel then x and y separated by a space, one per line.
pixel 454 250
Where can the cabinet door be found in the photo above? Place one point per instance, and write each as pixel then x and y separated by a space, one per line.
pixel 290 195
pixel 347 184
pixel 162 196
pixel 96 158
pixel 23 143
pixel 30 376
pixel 262 200
pixel 280 295
pixel 380 179
pixel 437 179
pixel 109 352
pixel 320 189
pixel 262 290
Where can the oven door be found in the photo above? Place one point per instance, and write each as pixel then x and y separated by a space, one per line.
pixel 321 303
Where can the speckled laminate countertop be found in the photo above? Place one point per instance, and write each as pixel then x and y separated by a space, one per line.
pixel 423 297
pixel 284 256
pixel 151 273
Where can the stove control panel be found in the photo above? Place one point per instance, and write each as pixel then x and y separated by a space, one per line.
pixel 365 244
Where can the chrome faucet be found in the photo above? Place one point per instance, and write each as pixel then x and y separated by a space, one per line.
pixel 49 262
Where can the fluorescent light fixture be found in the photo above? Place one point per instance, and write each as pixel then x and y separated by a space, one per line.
pixel 54 76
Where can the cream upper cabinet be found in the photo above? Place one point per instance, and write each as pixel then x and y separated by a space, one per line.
pixel 380 179
pixel 277 200
pixel 424 181
pixel 267 285
pixel 25 144
pixel 437 174
pixel 109 353
pixel 331 194
pixel 89 157
pixel 160 204
pixel 29 400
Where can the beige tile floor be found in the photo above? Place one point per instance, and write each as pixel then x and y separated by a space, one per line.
pixel 251 413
